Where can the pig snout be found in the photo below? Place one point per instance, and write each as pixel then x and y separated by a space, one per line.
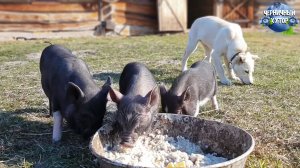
pixel 128 140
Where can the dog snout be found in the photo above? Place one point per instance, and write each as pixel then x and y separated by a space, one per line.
pixel 250 82
pixel 247 83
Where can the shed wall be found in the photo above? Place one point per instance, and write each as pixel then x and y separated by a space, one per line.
pixel 60 15
pixel 130 17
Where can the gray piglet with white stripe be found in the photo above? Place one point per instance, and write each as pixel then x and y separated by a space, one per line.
pixel 192 89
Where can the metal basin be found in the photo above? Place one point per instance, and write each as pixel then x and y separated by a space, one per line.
pixel 226 140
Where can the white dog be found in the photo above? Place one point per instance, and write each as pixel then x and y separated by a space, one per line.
pixel 220 37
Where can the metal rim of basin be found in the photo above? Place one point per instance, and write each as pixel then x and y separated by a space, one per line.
pixel 223 164
pixel 244 155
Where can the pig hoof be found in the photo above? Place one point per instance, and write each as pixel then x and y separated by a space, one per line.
pixel 55 142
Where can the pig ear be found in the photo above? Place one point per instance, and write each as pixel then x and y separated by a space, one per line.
pixel 186 95
pixel 162 89
pixel 74 93
pixel 153 97
pixel 114 95
pixel 163 92
pixel 70 110
pixel 108 81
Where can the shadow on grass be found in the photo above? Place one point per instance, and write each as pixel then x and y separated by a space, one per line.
pixel 22 119
pixel 234 83
pixel 26 141
pixel 159 75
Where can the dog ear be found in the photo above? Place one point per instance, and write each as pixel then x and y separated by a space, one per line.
pixel 255 57
pixel 241 59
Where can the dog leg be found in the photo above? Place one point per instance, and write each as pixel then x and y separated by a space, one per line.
pixel 184 61
pixel 190 48
pixel 215 103
pixel 216 56
pixel 50 107
pixel 207 52
pixel 231 72
pixel 232 75
pixel 57 127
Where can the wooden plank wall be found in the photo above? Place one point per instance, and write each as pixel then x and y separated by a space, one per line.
pixel 130 17
pixel 243 16
pixel 172 15
pixel 63 15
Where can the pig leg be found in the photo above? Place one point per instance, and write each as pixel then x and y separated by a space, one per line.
pixel 57 126
pixel 50 107
pixel 215 102
pixel 197 109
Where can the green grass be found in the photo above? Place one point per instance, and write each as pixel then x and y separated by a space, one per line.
pixel 269 110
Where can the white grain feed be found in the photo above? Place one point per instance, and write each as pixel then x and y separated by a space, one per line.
pixel 157 150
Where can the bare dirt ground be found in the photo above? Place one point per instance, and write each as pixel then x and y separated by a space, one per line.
pixel 9 36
